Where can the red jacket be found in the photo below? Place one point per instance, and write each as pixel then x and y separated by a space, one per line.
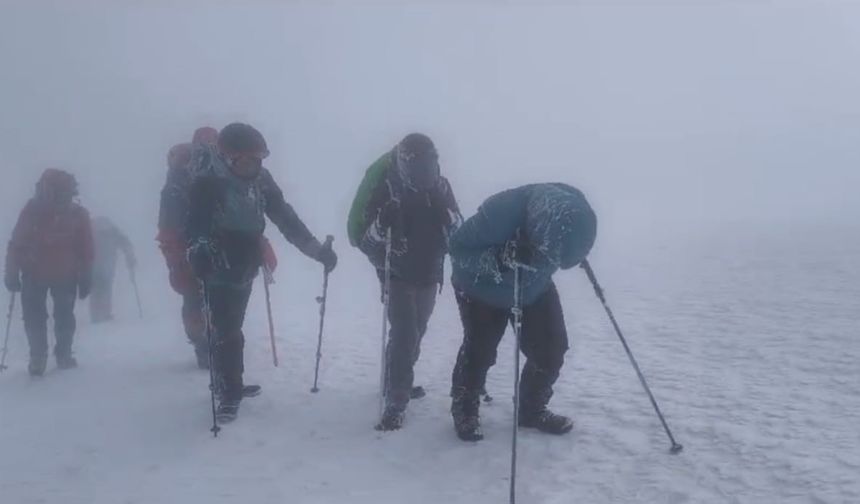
pixel 50 245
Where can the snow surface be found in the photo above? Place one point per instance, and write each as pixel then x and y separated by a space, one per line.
pixel 750 344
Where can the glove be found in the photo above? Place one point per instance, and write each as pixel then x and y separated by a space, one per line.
pixel 12 279
pixel 327 257
pixel 514 252
pixel 85 285
pixel 270 260
pixel 201 256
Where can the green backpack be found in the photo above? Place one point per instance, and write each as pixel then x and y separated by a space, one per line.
pixel 357 224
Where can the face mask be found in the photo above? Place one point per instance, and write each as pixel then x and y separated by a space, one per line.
pixel 419 172
pixel 245 166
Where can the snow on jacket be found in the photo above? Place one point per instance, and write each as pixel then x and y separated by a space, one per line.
pixel 551 226
pixel 229 213
pixel 422 224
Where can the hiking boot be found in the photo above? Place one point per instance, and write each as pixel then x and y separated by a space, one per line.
pixel 66 362
pixel 392 419
pixel 546 421
pixel 464 410
pixel 37 365
pixel 251 390
pixel 228 410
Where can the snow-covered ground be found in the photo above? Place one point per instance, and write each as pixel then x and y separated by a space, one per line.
pixel 750 341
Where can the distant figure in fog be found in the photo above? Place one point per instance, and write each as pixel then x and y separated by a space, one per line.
pixel 109 240
pixel 51 251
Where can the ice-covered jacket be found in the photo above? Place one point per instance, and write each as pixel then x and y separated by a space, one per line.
pixel 551 226
pixel 229 213
pixel 422 222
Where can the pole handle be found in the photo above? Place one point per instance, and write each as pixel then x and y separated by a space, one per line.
pixel 593 279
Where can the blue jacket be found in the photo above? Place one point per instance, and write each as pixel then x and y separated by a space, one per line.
pixel 551 226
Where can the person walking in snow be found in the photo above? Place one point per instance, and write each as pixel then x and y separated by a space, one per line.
pixel 172 239
pixel 405 193
pixel 51 252
pixel 540 229
pixel 109 240
pixel 231 195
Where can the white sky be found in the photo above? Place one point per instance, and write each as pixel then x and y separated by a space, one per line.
pixel 675 111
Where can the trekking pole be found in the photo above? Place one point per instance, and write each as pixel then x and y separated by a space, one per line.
pixel 8 331
pixel 675 448
pixel 383 371
pixel 321 300
pixel 136 290
pixel 517 312
pixel 267 280
pixel 207 321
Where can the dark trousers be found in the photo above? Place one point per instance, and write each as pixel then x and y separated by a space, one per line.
pixel 543 341
pixel 101 298
pixel 34 304
pixel 192 318
pixel 227 305
pixel 409 311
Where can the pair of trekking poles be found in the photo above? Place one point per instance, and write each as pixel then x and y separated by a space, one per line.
pixel 268 279
pixel 516 312
pixel 11 312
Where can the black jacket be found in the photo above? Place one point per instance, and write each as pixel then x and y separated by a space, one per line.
pixel 228 213
pixel 421 224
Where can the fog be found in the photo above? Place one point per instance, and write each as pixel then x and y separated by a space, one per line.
pixel 718 142
pixel 664 113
